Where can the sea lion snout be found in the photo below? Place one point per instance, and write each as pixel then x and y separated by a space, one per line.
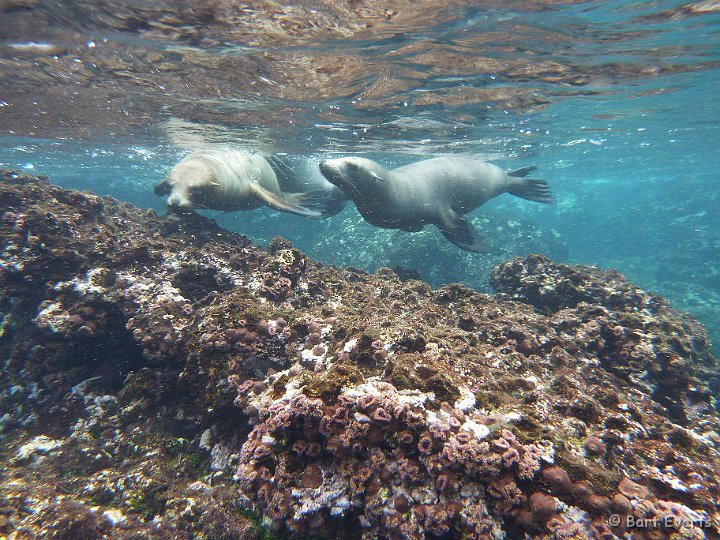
pixel 177 201
pixel 327 166
pixel 176 198
pixel 330 168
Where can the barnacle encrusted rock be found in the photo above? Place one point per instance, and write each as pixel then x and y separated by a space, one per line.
pixel 635 335
pixel 164 378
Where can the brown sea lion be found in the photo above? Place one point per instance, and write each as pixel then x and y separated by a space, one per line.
pixel 228 180
pixel 435 191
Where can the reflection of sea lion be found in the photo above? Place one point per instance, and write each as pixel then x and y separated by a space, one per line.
pixel 227 180
pixel 437 191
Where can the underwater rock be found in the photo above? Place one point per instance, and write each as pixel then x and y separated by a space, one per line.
pixel 164 378
pixel 352 240
pixel 635 335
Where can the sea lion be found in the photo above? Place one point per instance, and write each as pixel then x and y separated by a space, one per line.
pixel 434 191
pixel 227 180
pixel 300 174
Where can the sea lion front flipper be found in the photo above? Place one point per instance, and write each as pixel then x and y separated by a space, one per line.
pixel 278 203
pixel 460 232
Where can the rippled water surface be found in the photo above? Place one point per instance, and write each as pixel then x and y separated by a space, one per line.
pixel 616 103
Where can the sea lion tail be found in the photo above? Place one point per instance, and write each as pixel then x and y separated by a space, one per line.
pixel 326 201
pixel 531 189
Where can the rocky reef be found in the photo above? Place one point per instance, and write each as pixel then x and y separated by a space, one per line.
pixel 350 241
pixel 164 378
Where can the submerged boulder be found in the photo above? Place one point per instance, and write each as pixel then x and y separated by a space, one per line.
pixel 195 386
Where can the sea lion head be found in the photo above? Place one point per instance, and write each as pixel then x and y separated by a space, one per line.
pixel 357 177
pixel 187 185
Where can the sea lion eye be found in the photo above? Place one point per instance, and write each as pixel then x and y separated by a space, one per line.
pixel 163 188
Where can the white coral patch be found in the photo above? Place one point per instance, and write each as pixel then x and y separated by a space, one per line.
pixel 85 285
pixel 415 398
pixel 362 418
pixel 206 440
pixel 51 317
pixel 466 401
pixel 333 495
pixel 41 444
pixel 309 358
pixel 325 330
pixel 479 430
pixel 269 440
pixel 114 516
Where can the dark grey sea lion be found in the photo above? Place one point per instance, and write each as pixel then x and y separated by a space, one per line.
pixel 435 191
pixel 228 180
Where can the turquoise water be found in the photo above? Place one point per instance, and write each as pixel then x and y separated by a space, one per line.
pixel 616 103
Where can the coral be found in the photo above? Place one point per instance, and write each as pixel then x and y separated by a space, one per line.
pixel 635 335
pixel 164 378
pixel 557 479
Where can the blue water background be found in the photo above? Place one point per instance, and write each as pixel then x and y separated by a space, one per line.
pixel 634 166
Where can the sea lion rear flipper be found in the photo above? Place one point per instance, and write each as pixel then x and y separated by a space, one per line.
pixel 278 203
pixel 460 232
pixel 326 201
pixel 522 172
pixel 531 189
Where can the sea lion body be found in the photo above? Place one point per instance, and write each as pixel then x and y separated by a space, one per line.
pixel 226 180
pixel 436 191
